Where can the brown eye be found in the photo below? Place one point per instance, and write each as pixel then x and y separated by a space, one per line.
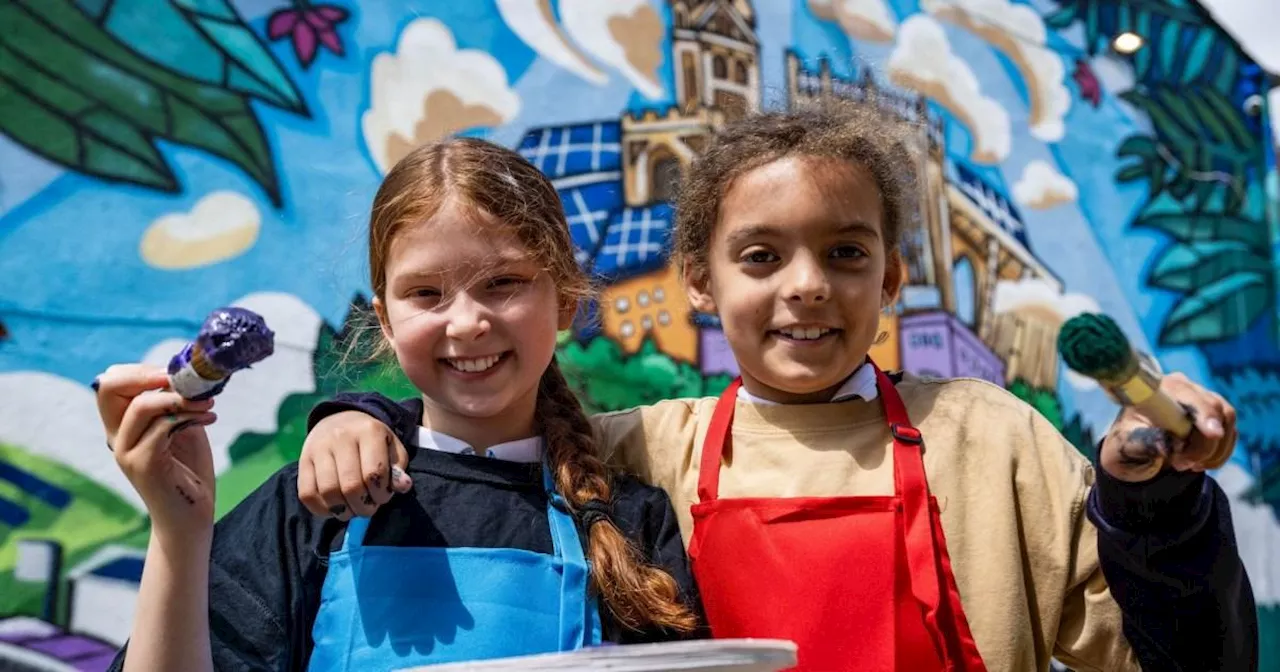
pixel 848 252
pixel 760 257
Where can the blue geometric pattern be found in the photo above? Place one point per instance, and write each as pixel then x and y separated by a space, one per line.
pixel 588 206
pixel 574 150
pixel 638 242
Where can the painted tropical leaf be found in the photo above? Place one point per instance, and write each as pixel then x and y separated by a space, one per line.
pixel 1200 134
pixel 96 142
pixel 1186 266
pixel 1184 44
pixel 1218 311
pixel 204 40
pixel 55 41
pixel 1167 214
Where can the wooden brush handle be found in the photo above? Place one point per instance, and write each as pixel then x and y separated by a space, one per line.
pixel 1167 414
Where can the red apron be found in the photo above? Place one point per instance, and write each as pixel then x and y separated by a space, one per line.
pixel 859 583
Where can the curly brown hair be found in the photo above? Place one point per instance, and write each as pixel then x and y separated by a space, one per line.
pixel 503 185
pixel 859 132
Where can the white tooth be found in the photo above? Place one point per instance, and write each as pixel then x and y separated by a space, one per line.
pixel 812 332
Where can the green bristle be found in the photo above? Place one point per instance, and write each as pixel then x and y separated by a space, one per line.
pixel 1093 345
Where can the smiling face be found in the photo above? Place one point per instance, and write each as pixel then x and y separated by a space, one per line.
pixel 798 273
pixel 473 322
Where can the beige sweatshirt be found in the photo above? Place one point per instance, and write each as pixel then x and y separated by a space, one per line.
pixel 1011 489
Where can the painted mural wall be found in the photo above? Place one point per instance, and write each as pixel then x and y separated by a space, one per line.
pixel 160 159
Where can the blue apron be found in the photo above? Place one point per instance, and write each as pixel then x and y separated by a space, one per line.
pixel 389 607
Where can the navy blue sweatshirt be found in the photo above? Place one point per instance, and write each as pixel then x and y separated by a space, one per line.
pixel 1167 549
pixel 270 555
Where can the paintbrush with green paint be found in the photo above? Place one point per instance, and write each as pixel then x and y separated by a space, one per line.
pixel 1093 346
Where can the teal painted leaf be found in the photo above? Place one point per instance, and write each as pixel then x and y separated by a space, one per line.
pixel 215 9
pixel 1170 45
pixel 1062 18
pixel 1186 266
pixel 1210 119
pixel 1224 111
pixel 1218 311
pixel 1228 68
pixel 1198 55
pixel 1167 214
pixel 205 41
pixel 1173 103
pixel 1165 123
pixel 1092 36
pixel 1181 186
pixel 1142 59
pixel 1138 145
pixel 1132 173
pixel 248 59
pixel 1124 18
pixel 157 101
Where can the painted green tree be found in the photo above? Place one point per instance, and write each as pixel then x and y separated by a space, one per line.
pixel 89 86
pixel 607 379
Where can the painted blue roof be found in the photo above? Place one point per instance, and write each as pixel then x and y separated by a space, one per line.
pixel 637 242
pixel 993 203
pixel 589 205
pixel 574 150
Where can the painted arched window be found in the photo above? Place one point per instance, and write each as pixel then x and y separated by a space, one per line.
pixel 964 281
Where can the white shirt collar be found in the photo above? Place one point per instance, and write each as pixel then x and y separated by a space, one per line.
pixel 861 384
pixel 522 450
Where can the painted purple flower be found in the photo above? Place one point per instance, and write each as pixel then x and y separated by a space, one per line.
pixel 308 26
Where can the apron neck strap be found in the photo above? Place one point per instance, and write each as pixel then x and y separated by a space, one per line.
pixel 717 442
pixel 913 489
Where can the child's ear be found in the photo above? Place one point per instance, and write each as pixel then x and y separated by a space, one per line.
pixel 380 309
pixel 895 274
pixel 568 311
pixel 697 286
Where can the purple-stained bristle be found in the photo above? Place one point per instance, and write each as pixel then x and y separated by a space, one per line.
pixel 235 338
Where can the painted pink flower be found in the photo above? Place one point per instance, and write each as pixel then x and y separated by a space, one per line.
pixel 1090 87
pixel 308 26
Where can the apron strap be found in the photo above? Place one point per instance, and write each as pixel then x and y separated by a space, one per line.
pixel 717 442
pixel 908 473
pixel 354 536
pixel 579 619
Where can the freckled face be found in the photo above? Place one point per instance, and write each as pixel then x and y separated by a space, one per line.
pixel 798 274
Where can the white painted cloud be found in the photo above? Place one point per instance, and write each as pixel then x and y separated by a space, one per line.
pixel 922 60
pixel 429 89
pixel 533 21
pixel 1257 534
pixel 626 34
pixel 58 419
pixel 220 226
pixel 864 20
pixel 1041 299
pixel 1042 186
pixel 1018 32
pixel 252 398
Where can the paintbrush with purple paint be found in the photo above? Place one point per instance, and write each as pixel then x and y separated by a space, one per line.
pixel 230 339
